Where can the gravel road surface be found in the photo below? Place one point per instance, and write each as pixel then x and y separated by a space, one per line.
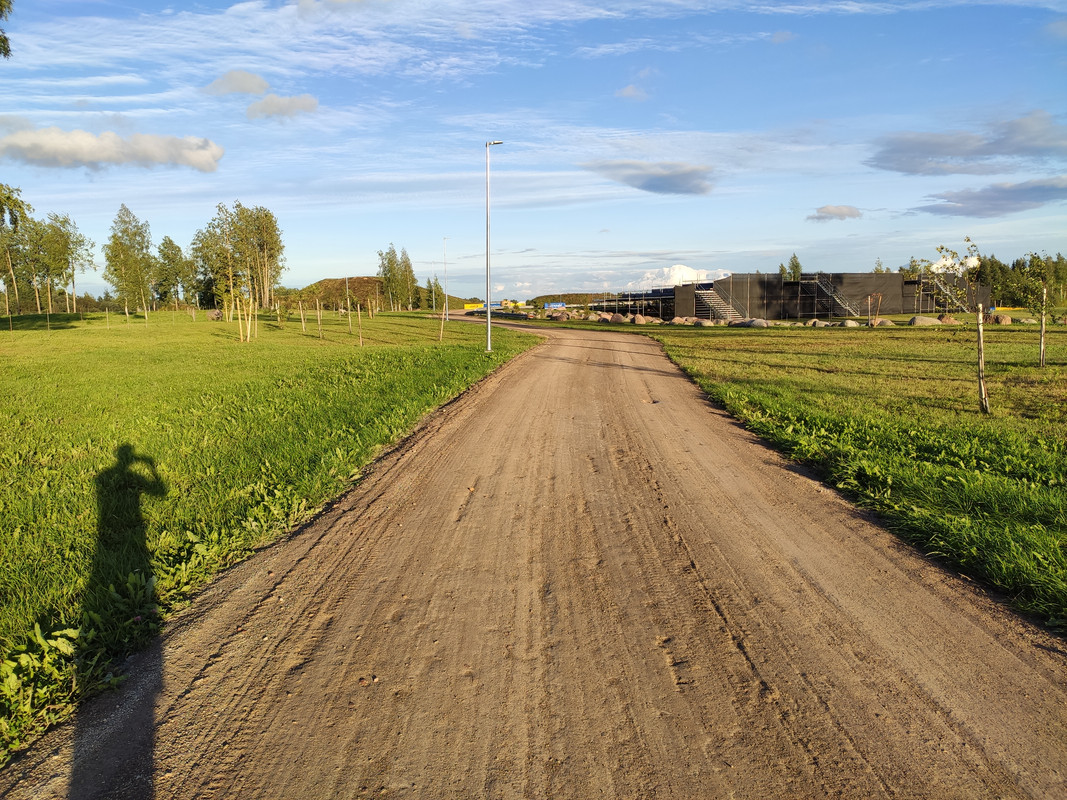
pixel 579 580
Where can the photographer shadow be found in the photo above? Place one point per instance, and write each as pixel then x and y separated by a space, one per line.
pixel 114 738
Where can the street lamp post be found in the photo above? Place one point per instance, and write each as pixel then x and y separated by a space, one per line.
pixel 488 286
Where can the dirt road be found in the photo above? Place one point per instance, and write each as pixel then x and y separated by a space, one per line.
pixel 579 581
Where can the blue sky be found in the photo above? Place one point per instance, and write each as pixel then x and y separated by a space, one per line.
pixel 638 134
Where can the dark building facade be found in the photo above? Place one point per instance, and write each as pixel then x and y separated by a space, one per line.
pixel 815 295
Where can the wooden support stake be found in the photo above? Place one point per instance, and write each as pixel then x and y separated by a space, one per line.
pixel 983 396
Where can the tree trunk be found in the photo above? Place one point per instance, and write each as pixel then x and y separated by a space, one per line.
pixel 1044 314
pixel 73 292
pixel 14 281
pixel 303 322
pixel 144 304
pixel 983 396
pixel 318 313
pixel 359 319
pixel 37 294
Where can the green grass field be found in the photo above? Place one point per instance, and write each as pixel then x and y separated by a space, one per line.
pixel 890 416
pixel 141 460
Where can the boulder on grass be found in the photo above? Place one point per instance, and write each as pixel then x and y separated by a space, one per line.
pixel 920 320
pixel 639 319
pixel 704 323
pixel 850 323
pixel 1001 319
pixel 948 319
pixel 617 319
pixel 820 323
pixel 214 315
pixel 885 323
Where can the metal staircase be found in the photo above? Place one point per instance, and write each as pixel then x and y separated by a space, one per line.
pixel 946 294
pixel 828 300
pixel 710 304
pixel 844 306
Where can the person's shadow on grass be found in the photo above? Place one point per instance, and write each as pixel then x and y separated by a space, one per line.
pixel 113 756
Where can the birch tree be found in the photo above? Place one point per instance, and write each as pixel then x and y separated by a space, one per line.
pixel 129 260
pixel 12 211
pixel 70 252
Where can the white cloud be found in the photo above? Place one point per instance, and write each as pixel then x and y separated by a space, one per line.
pixel 675 276
pixel 274 106
pixel 781 37
pixel 632 92
pixel 664 177
pixel 238 81
pixel 826 213
pixel 53 147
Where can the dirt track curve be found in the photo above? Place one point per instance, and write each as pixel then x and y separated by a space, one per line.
pixel 580 580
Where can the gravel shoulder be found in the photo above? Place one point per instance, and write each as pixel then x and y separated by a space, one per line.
pixel 579 580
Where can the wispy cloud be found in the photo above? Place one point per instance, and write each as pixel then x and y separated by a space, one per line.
pixel 665 177
pixel 53 147
pixel 999 199
pixel 827 213
pixel 274 106
pixel 781 37
pixel 1036 135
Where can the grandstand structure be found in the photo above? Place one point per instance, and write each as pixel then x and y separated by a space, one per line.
pixel 818 295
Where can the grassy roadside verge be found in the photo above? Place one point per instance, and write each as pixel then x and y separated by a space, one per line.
pixel 890 417
pixel 139 461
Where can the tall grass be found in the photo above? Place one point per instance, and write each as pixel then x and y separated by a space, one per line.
pixel 890 416
pixel 138 461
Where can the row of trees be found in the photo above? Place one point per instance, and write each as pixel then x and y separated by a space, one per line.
pixel 401 289
pixel 1019 283
pixel 40 256
pixel 235 261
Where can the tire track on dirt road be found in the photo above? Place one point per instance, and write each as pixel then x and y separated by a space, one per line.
pixel 581 580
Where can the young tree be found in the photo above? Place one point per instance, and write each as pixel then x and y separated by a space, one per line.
pixel 435 294
pixel 130 263
pixel 957 278
pixel 258 240
pixel 794 268
pixel 174 273
pixel 410 283
pixel 1031 280
pixel 32 258
pixel 70 250
pixel 12 211
pixel 393 281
